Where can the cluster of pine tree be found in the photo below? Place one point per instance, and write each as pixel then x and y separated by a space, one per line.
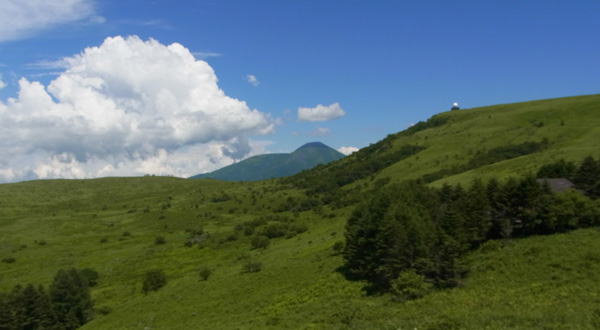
pixel 586 175
pixel 413 228
pixel 65 305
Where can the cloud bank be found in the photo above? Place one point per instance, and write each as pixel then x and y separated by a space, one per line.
pixel 321 112
pixel 347 150
pixel 22 18
pixel 126 107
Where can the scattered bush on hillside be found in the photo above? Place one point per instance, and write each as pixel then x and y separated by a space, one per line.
pixel 274 230
pixel 204 273
pixel 160 240
pixel 260 242
pixel 294 229
pixel 153 280
pixel 9 260
pixel 251 267
pixel 223 197
pixel 196 237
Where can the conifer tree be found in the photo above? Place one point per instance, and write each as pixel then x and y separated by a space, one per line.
pixel 71 299
pixel 588 173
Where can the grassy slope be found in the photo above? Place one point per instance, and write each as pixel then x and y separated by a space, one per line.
pixel 480 129
pixel 531 283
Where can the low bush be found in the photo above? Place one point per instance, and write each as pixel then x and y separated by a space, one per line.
pixel 9 260
pixel 204 273
pixel 260 242
pixel 160 240
pixel 154 280
pixel 251 267
pixel 409 285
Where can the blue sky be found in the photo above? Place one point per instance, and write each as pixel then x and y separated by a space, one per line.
pixel 387 63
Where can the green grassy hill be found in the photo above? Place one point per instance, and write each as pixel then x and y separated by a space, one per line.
pixel 111 225
pixel 271 166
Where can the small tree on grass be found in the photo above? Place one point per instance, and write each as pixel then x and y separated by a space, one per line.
pixel 154 280
pixel 204 273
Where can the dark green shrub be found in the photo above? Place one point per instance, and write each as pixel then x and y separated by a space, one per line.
pixel 409 285
pixel 274 230
pixel 126 234
pixel 251 267
pixel 159 240
pixel 154 280
pixel 260 242
pixel 295 229
pixel 204 273
pixel 338 247
pixel 9 260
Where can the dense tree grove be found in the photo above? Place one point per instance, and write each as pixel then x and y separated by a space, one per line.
pixel 413 228
pixel 66 305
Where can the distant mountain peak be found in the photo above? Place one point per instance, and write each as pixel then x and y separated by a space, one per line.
pixel 276 165
pixel 313 145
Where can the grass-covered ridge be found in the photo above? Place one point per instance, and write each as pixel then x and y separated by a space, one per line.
pixel 113 226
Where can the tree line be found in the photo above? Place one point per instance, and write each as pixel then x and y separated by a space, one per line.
pixel 409 231
pixel 65 305
pixel 585 176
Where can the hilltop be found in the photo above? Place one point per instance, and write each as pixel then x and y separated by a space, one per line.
pixel 269 166
pixel 112 226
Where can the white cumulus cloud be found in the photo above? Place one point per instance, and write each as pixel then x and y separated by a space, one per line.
pixel 126 107
pixel 347 150
pixel 252 80
pixel 321 112
pixel 22 18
